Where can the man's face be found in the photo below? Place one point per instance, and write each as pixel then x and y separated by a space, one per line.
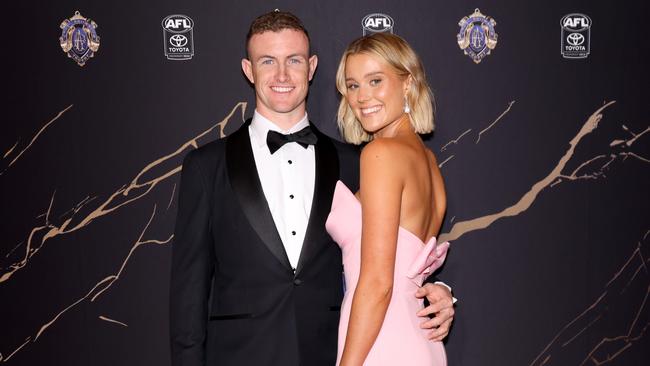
pixel 280 68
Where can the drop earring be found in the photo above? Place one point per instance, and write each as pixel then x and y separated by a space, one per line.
pixel 407 109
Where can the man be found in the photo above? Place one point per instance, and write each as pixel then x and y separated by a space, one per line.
pixel 256 279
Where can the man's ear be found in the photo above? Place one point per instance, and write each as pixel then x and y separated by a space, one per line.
pixel 313 63
pixel 247 68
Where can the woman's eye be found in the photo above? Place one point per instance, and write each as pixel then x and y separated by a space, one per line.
pixel 375 82
pixel 352 86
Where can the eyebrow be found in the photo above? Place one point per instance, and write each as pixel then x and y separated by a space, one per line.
pixel 275 58
pixel 296 55
pixel 367 75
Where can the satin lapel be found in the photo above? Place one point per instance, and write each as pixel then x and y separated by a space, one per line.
pixel 245 182
pixel 327 173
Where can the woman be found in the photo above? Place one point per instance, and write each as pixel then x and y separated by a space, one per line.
pixel 387 230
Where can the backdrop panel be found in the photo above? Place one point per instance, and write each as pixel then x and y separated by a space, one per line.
pixel 545 159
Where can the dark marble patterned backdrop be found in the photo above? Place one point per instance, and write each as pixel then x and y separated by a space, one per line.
pixel 546 162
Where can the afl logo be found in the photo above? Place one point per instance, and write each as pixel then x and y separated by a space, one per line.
pixel 177 23
pixel 576 22
pixel 377 23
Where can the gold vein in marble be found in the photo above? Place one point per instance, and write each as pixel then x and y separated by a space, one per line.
pixel 3 359
pixel 138 188
pixel 99 288
pixel 495 121
pixel 611 157
pixel 455 141
pixel 112 321
pixel 10 150
pixel 575 176
pixel 14 249
pixel 635 264
pixel 171 197
pixel 629 142
pixel 463 227
pixel 445 161
pixel 628 154
pixel 15 159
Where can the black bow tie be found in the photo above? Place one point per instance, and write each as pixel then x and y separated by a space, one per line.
pixel 305 137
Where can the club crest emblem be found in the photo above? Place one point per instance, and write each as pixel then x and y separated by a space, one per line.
pixel 477 36
pixel 79 38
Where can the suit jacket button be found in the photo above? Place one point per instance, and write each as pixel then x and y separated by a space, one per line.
pixel 297 282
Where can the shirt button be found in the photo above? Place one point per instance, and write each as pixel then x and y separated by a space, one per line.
pixel 297 282
pixel 290 162
pixel 293 233
pixel 291 196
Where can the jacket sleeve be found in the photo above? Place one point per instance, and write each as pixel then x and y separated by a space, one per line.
pixel 191 267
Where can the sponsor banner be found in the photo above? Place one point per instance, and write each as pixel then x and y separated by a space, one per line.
pixel 178 37
pixel 576 34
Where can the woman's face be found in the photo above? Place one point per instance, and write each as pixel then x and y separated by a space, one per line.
pixel 375 92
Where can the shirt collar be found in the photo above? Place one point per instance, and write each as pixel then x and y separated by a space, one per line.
pixel 261 125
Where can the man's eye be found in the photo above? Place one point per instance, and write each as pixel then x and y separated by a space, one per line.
pixel 294 61
pixel 375 82
pixel 267 62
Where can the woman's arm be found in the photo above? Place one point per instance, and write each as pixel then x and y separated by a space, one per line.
pixel 381 188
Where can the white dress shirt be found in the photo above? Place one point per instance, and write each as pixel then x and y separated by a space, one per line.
pixel 288 177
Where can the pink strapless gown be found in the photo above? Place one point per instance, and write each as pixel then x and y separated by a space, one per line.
pixel 401 341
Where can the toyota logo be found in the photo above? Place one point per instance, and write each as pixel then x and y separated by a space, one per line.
pixel 178 40
pixel 575 39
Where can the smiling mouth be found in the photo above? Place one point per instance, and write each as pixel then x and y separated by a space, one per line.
pixel 282 89
pixel 370 110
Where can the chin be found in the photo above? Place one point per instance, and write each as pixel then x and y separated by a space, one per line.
pixel 370 126
pixel 283 108
pixel 370 129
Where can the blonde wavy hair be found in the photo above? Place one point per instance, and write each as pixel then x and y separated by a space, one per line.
pixel 395 51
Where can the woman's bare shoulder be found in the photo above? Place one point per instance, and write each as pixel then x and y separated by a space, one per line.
pixel 384 158
pixel 385 148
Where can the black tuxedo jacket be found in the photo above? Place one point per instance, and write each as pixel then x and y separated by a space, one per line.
pixel 234 298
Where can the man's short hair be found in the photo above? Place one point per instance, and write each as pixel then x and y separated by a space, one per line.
pixel 275 21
